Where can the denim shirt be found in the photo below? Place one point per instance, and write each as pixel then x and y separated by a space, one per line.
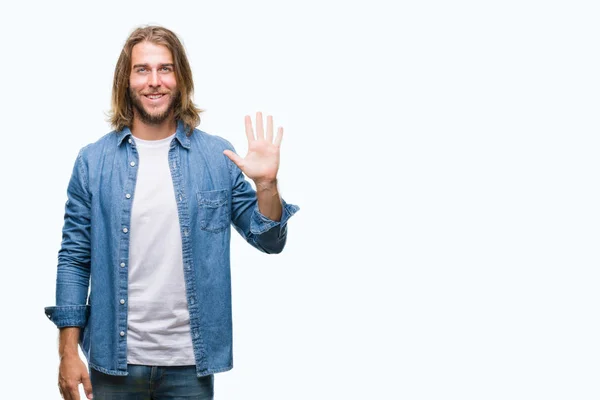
pixel 211 195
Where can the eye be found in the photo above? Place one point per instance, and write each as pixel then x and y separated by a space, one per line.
pixel 140 69
pixel 166 69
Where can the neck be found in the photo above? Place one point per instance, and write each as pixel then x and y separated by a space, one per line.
pixel 145 131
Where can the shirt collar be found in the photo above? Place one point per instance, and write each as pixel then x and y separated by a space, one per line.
pixel 180 135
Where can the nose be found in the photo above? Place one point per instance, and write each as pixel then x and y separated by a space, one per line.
pixel 154 79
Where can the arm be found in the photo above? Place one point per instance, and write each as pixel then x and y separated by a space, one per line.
pixel 72 281
pixel 73 271
pixel 68 341
pixel 269 202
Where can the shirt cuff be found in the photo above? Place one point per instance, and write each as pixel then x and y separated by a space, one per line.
pixel 64 316
pixel 260 224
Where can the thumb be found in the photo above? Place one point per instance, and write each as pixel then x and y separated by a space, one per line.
pixel 87 385
pixel 237 160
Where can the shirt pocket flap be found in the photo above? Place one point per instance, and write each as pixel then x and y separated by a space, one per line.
pixel 212 198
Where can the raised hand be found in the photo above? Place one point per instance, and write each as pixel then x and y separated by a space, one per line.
pixel 262 161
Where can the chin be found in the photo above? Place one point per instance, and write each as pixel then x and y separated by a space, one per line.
pixel 156 112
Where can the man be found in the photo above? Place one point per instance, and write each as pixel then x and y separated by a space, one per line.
pixel 147 231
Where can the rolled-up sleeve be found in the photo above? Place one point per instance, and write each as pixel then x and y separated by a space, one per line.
pixel 64 316
pixel 73 270
pixel 259 224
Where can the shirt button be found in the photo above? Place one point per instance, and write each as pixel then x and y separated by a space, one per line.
pixel 128 195
pixel 130 141
pixel 132 163
pixel 122 265
pixel 122 301
pixel 122 333
pixel 125 230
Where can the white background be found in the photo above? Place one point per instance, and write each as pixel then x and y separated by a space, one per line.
pixel 444 156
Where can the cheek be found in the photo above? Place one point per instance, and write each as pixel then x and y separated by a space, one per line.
pixel 169 82
pixel 136 84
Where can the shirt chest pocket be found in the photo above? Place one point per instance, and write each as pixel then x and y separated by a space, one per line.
pixel 213 210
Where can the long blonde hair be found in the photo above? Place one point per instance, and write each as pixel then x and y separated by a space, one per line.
pixel 121 114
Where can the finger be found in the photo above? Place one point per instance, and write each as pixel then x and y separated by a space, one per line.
pixel 279 136
pixel 72 393
pixel 260 134
pixel 269 137
pixel 87 385
pixel 237 160
pixel 65 392
pixel 249 132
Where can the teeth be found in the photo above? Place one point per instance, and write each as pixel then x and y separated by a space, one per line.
pixel 154 96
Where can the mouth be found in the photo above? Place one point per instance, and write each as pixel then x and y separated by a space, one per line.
pixel 154 96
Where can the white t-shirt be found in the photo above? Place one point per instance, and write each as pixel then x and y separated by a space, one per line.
pixel 158 324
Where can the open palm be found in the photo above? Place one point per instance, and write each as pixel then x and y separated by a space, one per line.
pixel 262 161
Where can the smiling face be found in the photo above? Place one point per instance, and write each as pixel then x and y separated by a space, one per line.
pixel 152 83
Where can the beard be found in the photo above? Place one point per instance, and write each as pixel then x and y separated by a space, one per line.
pixel 156 118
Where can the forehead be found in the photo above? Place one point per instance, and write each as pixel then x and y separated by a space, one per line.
pixel 150 53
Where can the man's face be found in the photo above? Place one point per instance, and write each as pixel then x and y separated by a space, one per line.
pixel 152 84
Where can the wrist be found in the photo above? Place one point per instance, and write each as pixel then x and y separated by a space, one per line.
pixel 267 185
pixel 69 354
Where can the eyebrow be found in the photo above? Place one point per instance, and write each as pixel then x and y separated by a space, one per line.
pixel 160 65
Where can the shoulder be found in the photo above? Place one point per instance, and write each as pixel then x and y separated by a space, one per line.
pixel 211 147
pixel 210 141
pixel 94 150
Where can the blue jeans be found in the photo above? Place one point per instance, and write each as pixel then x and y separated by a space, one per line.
pixel 153 383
